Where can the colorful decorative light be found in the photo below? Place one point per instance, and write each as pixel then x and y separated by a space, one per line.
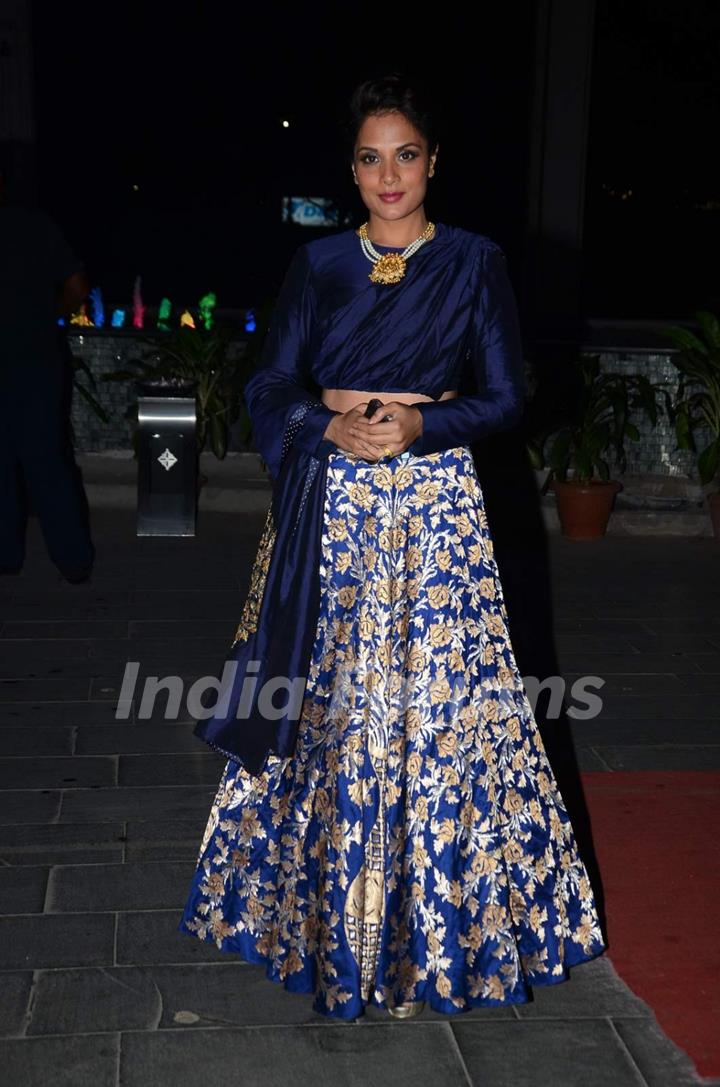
pixel 118 318
pixel 187 320
pixel 206 306
pixel 163 317
pixel 98 309
pixel 250 323
pixel 81 318
pixel 138 307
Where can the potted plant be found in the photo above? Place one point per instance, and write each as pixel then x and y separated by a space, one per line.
pixel 697 404
pixel 599 420
pixel 194 361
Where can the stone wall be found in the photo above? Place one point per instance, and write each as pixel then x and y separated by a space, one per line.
pixel 655 453
pixel 102 353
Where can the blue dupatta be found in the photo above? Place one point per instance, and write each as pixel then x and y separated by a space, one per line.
pixel 259 712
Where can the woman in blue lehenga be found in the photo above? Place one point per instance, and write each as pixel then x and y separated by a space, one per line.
pixel 395 835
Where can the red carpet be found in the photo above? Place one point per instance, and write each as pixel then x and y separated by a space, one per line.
pixel 657 837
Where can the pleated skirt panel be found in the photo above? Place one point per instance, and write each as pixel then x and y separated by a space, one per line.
pixel 416 845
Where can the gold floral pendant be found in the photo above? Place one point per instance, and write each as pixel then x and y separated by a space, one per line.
pixel 390 268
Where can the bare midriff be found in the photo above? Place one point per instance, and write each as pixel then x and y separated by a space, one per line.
pixel 343 400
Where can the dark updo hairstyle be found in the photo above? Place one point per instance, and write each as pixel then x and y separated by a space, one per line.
pixel 394 92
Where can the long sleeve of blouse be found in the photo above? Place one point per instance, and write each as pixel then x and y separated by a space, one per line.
pixel 496 355
pixel 277 393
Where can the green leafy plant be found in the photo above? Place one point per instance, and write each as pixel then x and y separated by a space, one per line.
pixel 204 363
pixel 697 405
pixel 599 420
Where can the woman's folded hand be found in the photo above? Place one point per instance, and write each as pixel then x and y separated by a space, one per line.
pixel 374 439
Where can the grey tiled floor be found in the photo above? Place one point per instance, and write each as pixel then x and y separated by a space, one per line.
pixel 100 822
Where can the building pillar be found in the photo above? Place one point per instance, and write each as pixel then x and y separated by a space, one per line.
pixel 556 186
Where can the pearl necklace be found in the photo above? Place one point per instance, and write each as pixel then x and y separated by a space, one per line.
pixel 390 267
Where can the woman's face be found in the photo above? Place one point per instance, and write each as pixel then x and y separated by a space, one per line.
pixel 391 156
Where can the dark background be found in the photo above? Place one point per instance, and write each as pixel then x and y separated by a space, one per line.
pixel 654 120
pixel 186 102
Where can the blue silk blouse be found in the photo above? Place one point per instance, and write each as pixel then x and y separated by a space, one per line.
pixel 333 328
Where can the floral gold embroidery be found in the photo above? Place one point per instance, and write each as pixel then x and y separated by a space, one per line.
pixel 258 577
pixel 416 846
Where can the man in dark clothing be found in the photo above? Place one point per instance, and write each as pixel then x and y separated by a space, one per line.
pixel 40 278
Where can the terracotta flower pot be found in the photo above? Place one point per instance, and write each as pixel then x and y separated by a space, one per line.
pixel 584 508
pixel 714 504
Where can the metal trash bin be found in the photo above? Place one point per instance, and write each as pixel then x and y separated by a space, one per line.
pixel 167 463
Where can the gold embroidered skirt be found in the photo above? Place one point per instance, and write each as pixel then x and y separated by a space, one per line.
pixel 415 847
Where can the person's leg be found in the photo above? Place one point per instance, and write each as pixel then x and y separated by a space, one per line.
pixel 53 479
pixel 12 514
